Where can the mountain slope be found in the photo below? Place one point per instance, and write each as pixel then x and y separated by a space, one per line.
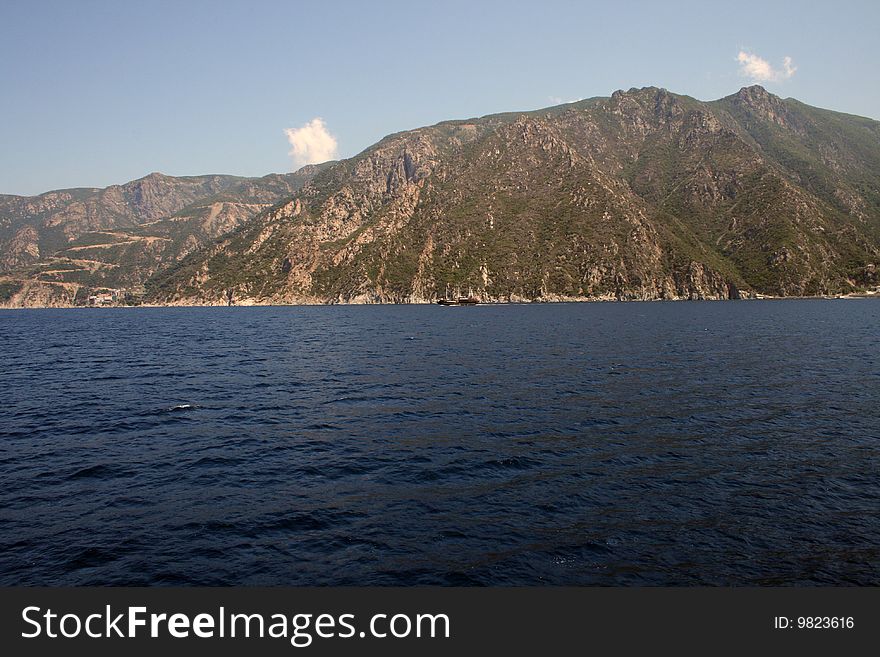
pixel 56 247
pixel 643 195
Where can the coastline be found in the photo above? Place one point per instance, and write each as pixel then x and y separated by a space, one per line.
pixel 249 303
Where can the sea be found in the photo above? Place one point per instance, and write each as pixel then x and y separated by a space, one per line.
pixel 628 444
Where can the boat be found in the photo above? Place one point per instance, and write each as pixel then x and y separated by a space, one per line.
pixel 461 300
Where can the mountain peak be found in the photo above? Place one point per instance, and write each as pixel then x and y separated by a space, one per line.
pixel 647 92
pixel 153 177
pixel 755 89
pixel 755 95
pixel 759 102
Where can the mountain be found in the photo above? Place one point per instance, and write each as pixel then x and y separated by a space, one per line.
pixel 643 195
pixel 57 246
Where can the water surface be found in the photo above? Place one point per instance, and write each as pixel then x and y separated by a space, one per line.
pixel 622 444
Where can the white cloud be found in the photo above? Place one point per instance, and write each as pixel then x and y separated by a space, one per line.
pixel 759 69
pixel 311 144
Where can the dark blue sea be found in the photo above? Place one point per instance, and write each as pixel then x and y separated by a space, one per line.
pixel 718 443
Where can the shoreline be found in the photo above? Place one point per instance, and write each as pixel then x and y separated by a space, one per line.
pixel 522 302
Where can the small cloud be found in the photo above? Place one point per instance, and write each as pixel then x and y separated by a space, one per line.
pixel 311 144
pixel 759 69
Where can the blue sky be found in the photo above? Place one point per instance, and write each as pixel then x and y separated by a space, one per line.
pixel 97 93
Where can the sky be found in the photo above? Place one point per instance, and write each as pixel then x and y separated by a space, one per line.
pixel 94 93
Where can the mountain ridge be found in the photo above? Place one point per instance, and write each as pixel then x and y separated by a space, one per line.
pixel 644 194
pixel 56 246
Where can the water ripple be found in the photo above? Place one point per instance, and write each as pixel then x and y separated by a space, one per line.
pixel 627 444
